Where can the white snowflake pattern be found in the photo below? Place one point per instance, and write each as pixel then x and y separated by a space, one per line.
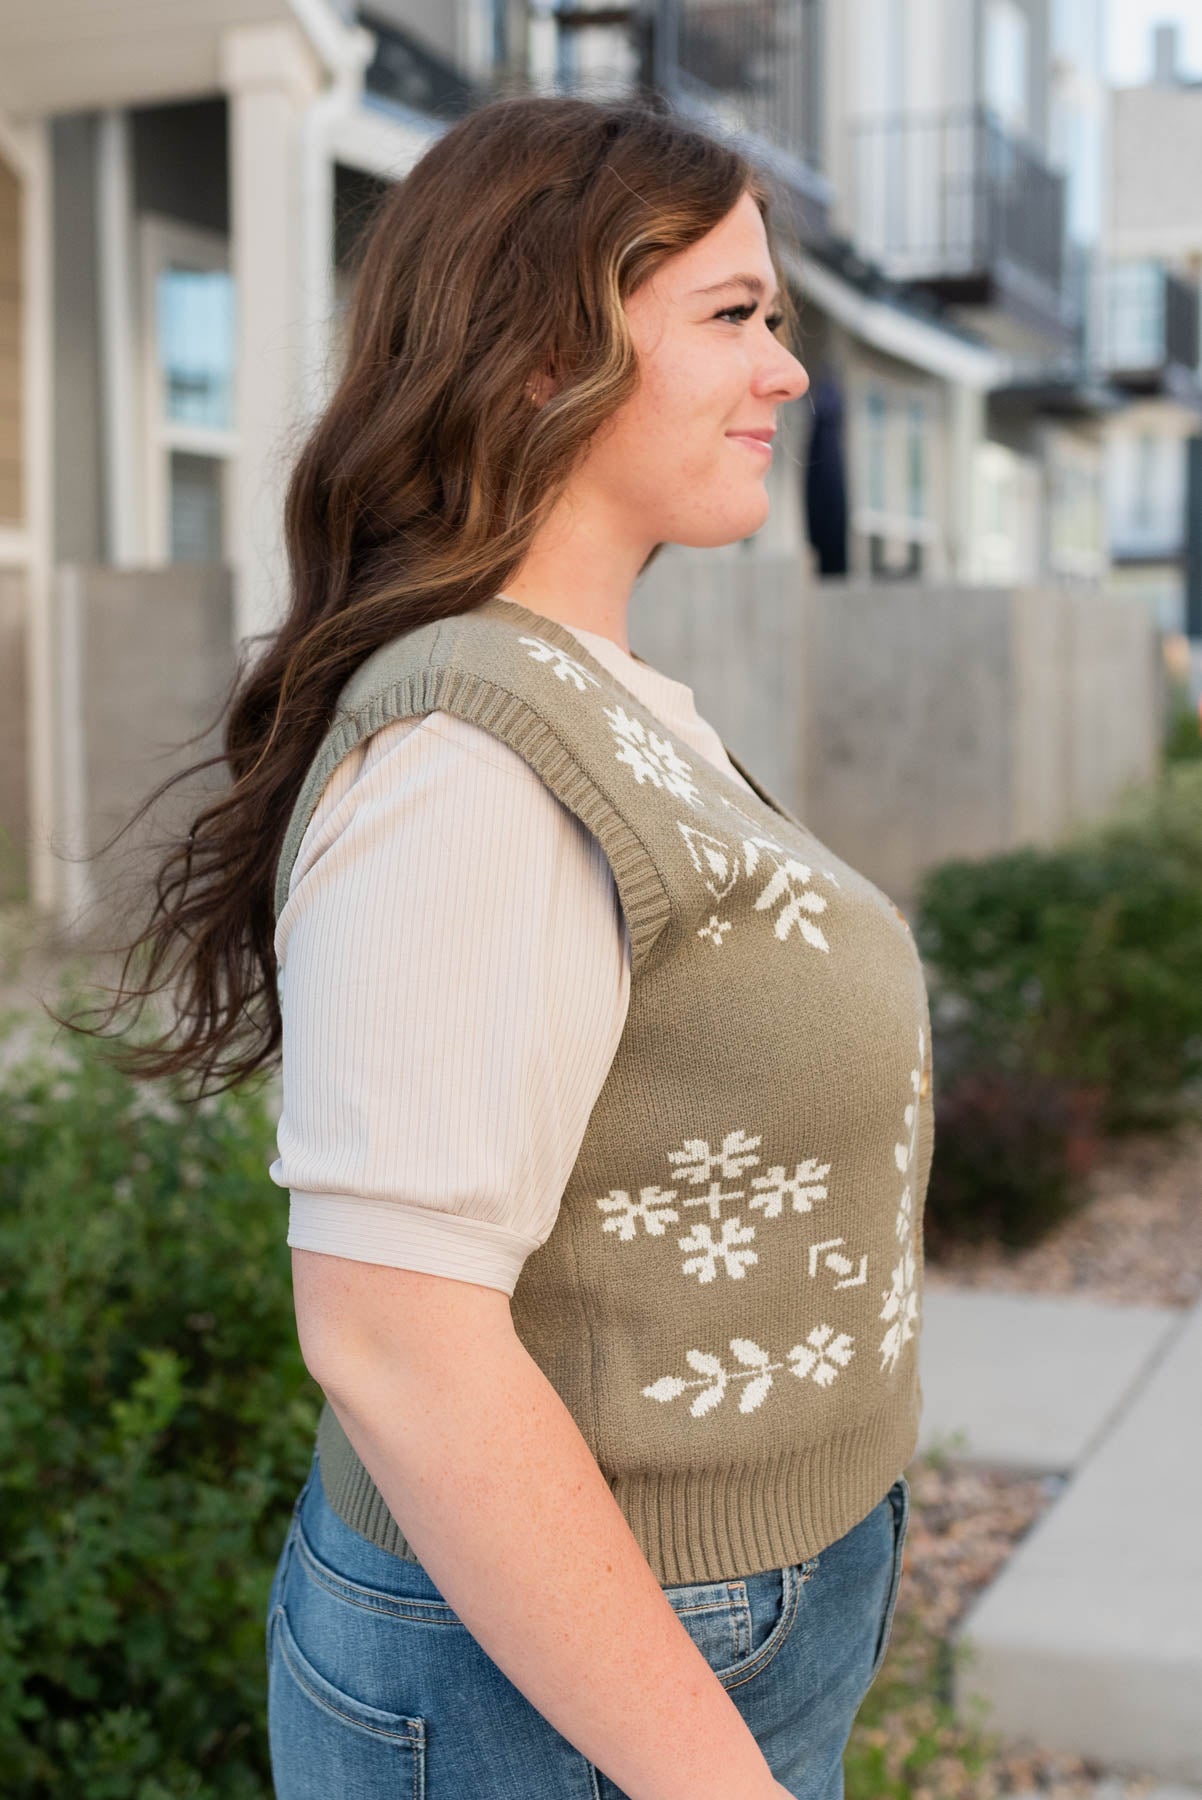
pixel 818 1359
pixel 697 1162
pixel 711 1252
pixel 715 930
pixel 564 666
pixel 652 1207
pixel 710 1171
pixel 651 757
pixel 901 1308
pixel 801 1188
pixel 789 885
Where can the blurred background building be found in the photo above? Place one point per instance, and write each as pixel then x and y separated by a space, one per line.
pixel 996 479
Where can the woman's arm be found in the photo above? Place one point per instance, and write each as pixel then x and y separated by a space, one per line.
pixel 490 1480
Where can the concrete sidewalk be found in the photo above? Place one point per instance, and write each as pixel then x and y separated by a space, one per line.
pixel 1030 1381
pixel 1090 1640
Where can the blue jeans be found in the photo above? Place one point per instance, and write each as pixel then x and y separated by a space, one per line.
pixel 378 1691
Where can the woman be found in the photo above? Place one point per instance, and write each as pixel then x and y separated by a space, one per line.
pixel 606 1114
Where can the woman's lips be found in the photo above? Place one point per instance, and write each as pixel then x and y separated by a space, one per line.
pixel 737 437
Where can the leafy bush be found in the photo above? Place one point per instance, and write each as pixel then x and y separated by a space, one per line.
pixel 156 1420
pixel 1183 736
pixel 1183 723
pixel 1011 1151
pixel 1080 963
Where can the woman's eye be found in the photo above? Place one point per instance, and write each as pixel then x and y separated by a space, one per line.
pixel 773 321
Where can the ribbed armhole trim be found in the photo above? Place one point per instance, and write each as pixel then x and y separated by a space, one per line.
pixel 510 717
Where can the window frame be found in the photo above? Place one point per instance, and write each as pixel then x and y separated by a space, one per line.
pixel 162 243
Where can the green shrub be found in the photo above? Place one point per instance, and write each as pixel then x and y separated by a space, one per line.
pixel 156 1420
pixel 1079 963
pixel 1164 818
pixel 1183 724
pixel 1011 1152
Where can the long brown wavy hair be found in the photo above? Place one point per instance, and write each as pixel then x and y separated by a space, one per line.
pixel 505 253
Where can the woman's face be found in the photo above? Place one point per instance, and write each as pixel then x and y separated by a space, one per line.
pixel 670 465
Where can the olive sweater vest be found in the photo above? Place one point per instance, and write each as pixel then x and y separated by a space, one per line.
pixel 728 1303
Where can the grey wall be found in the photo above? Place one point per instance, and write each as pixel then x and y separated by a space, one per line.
pixel 144 660
pixel 181 161
pixel 734 626
pixel 907 723
pixel 78 494
pixel 904 723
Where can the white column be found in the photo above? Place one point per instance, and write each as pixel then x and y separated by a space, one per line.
pixel 271 76
pixel 340 102
pixel 967 430
pixel 30 144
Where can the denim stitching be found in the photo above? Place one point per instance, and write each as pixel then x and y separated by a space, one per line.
pixel 285 1558
pixel 740 1613
pixel 413 1735
pixel 900 1512
pixel 424 1612
pixel 736 1675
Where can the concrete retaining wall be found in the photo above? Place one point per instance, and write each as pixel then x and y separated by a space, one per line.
pixel 144 658
pixel 907 723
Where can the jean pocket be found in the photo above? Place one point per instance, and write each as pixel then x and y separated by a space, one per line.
pixel 324 1741
pixel 739 1625
pixel 281 1565
pixel 899 1500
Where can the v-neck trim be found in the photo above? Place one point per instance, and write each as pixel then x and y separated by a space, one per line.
pixel 566 639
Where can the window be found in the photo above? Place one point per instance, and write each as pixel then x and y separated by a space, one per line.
pixel 892 561
pixel 196 344
pixel 1077 33
pixel 197 517
pixel 876 408
pixel 916 463
pixel 1006 54
pixel 1076 529
pixel 1143 501
pixel 188 360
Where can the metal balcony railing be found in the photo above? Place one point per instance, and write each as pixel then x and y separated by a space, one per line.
pixel 751 66
pixel 757 63
pixel 954 194
pixel 1142 318
pixel 407 72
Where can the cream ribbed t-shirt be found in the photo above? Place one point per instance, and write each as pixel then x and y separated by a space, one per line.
pixel 454 977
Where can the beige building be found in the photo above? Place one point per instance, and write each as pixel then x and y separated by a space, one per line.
pixel 1147 330
pixel 180 189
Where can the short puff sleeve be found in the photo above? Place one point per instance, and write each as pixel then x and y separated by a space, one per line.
pixel 454 977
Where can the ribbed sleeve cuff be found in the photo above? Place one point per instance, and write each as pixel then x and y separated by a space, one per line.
pixel 407 1237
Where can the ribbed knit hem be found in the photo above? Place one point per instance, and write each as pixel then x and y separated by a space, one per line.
pixel 712 1526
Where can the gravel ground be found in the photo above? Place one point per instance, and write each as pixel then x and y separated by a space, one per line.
pixel 1137 1239
pixel 964 1524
